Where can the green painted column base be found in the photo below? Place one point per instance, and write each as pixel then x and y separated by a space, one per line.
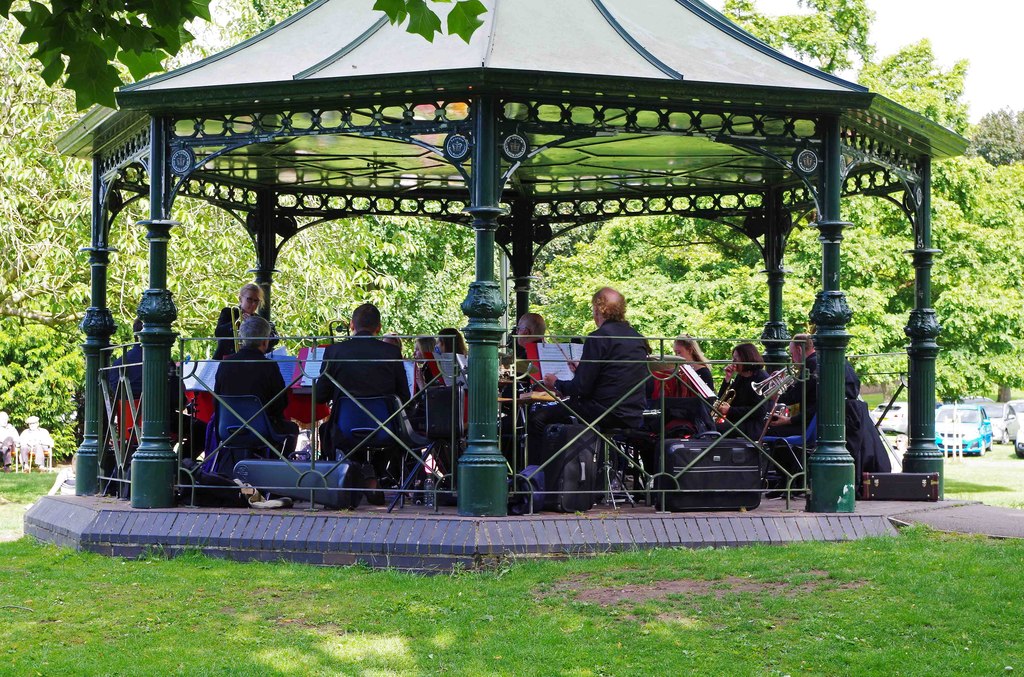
pixel 86 473
pixel 153 481
pixel 831 487
pixel 926 464
pixel 483 483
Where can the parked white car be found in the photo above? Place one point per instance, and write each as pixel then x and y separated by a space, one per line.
pixel 1019 444
pixel 895 420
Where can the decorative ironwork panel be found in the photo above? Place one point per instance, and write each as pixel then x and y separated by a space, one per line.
pixel 397 120
pixel 134 149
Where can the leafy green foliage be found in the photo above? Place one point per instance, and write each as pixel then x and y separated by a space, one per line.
pixel 463 16
pixel 88 41
pixel 999 137
pixel 41 374
pixel 913 78
pixel 834 36
pixel 85 39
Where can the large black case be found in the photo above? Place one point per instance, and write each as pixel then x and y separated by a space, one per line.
pixel 900 486
pixel 570 478
pixel 726 477
pixel 295 480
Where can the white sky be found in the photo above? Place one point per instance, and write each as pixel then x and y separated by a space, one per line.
pixel 988 33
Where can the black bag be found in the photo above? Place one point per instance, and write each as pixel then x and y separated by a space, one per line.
pixel 570 475
pixel 213 490
pixel 294 480
pixel 444 412
pixel 529 486
pixel 900 486
pixel 726 477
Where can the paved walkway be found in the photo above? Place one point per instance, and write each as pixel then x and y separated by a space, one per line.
pixel 965 518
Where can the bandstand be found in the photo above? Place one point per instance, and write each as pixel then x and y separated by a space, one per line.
pixel 556 114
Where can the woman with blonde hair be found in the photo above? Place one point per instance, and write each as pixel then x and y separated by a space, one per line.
pixel 686 347
pixel 250 301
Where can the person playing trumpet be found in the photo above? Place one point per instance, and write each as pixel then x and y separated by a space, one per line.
pixel 747 368
pixel 250 301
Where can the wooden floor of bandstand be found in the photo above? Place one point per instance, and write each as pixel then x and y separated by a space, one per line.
pixel 419 538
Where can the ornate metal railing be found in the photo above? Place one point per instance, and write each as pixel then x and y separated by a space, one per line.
pixel 422 446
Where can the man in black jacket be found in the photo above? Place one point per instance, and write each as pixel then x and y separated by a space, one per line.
pixel 613 364
pixel 250 372
pixel 364 366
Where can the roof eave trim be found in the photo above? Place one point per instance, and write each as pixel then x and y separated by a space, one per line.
pixel 719 20
pixel 135 86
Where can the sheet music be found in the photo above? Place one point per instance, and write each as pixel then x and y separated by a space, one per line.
pixel 697 382
pixel 309 365
pixel 446 364
pixel 199 375
pixel 555 357
pixel 410 375
pixel 285 362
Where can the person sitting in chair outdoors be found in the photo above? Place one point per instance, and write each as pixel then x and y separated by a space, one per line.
pixel 747 368
pixel 360 366
pixel 530 331
pixel 802 396
pixel 613 364
pixel 36 444
pixel 8 440
pixel 250 372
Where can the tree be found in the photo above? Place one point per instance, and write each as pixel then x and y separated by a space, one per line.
pixel 44 197
pixel 912 77
pixel 91 43
pixel 999 137
pixel 834 36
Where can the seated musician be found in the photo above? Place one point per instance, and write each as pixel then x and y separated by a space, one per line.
pixel 250 372
pixel 746 369
pixel 250 301
pixel 129 367
pixel 363 365
pixel 613 363
pixel 530 331
pixel 801 397
pixel 687 348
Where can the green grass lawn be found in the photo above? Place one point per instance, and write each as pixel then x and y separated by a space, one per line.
pixel 997 478
pixel 17 492
pixel 917 604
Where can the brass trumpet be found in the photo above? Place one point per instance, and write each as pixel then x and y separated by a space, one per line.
pixel 775 384
pixel 727 397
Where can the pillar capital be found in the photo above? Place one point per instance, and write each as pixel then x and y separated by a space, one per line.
pixel 830 311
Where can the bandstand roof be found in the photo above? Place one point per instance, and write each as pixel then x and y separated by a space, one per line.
pixel 615 97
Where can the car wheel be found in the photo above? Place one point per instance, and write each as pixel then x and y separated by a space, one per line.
pixel 1020 452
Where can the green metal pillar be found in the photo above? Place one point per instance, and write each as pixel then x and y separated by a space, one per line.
pixel 98 326
pixel 775 336
pixel 154 463
pixel 266 248
pixel 830 468
pixel 922 329
pixel 482 485
pixel 522 254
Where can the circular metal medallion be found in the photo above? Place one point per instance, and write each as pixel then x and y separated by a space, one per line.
pixel 515 147
pixel 456 147
pixel 806 161
pixel 182 161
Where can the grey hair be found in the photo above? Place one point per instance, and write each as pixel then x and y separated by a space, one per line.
pixel 253 331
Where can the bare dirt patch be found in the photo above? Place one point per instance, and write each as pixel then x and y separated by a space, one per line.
pixel 591 590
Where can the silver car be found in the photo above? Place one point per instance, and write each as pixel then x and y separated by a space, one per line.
pixel 1003 415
